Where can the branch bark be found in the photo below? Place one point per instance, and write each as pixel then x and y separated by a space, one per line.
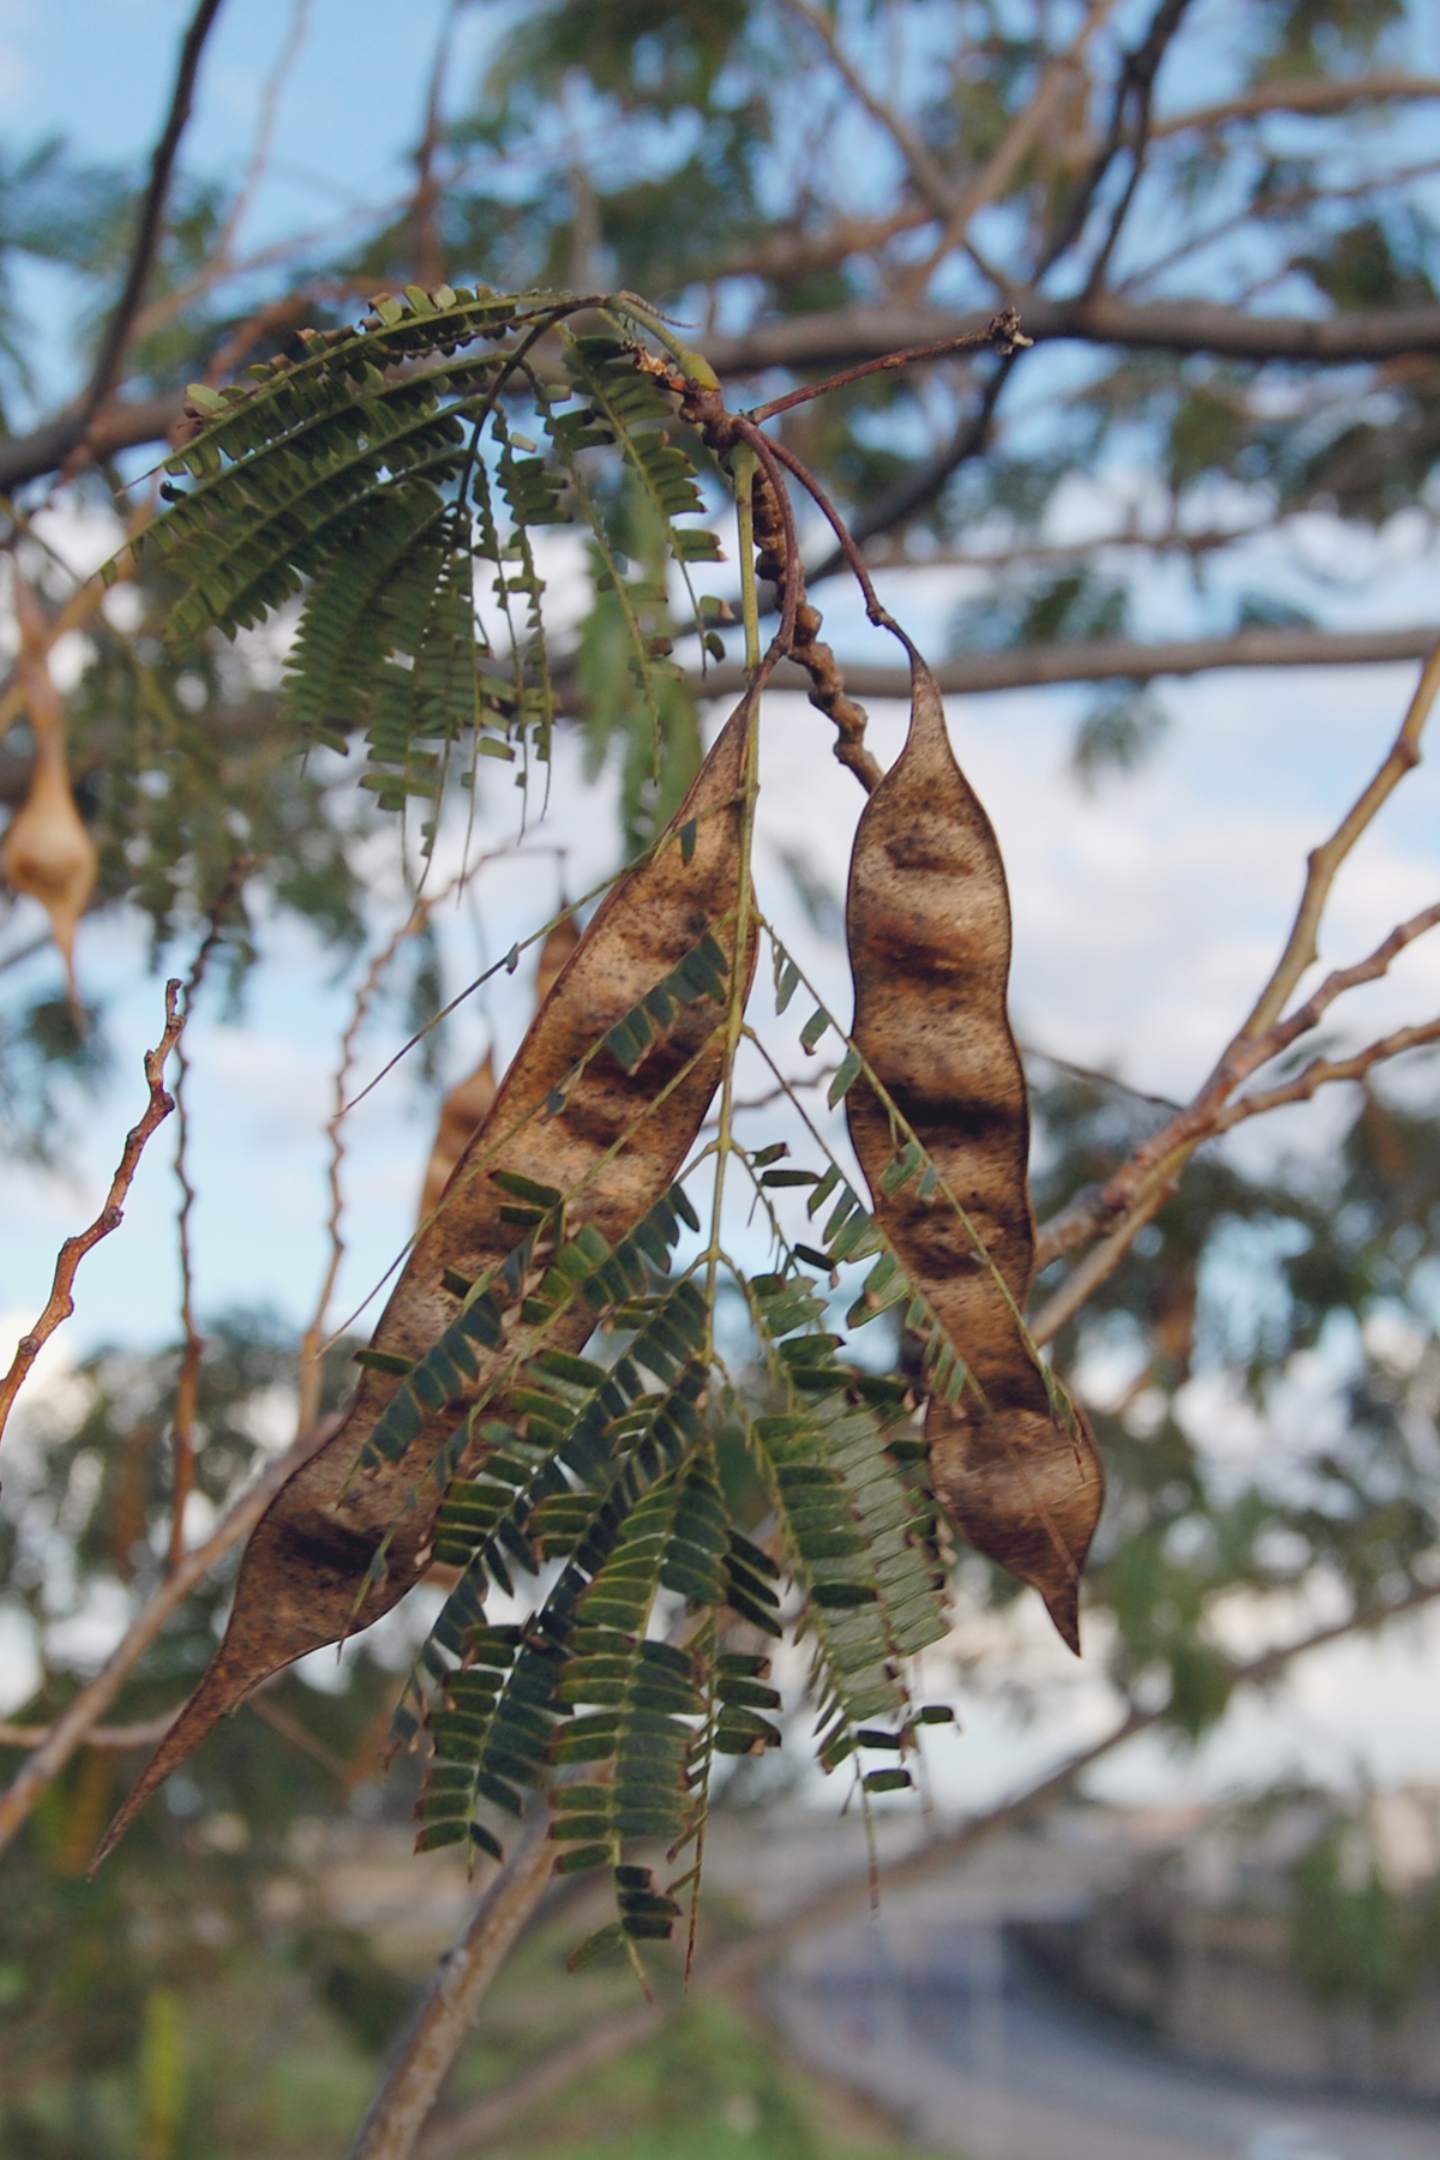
pixel 1117 659
pixel 867 333
pixel 61 1302
pixel 1139 1189
pixel 456 1988
pixel 152 219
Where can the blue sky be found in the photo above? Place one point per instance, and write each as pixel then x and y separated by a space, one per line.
pixel 1145 916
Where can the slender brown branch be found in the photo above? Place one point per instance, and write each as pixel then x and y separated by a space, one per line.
pixel 187 1388
pixel 837 339
pixel 1137 1191
pixel 928 174
pixel 472 2130
pixel 1113 659
pixel 1324 1072
pixel 446 2011
pixel 1014 146
pixel 1300 948
pixel 425 204
pixel 152 219
pixel 1001 334
pixel 61 1302
pixel 147 1731
pixel 1306 96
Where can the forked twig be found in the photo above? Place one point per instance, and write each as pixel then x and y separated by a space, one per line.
pixel 61 1302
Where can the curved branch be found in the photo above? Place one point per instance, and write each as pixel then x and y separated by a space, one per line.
pixel 152 218
pixel 61 1302
pixel 1116 660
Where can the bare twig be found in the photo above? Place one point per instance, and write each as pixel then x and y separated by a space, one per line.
pixel 429 255
pixel 187 1388
pixel 1300 948
pixel 471 2130
pixel 1139 1189
pixel 61 1302
pixel 1324 1072
pixel 836 339
pixel 446 2011
pixel 1313 96
pixel 928 174
pixel 1001 334
pixel 144 1734
pixel 152 218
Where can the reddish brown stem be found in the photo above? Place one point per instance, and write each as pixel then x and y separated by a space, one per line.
pixel 61 1302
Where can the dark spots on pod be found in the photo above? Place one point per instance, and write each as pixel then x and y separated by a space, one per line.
pixel 928 922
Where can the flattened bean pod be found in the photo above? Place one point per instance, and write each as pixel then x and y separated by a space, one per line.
pixel 928 922
pixel 305 1578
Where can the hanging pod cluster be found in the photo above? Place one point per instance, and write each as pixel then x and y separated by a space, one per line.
pixel 594 1119
pixel 1012 1460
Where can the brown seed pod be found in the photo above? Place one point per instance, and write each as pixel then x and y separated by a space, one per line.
pixel 48 853
pixel 928 923
pixel 462 1113
pixel 467 1105
pixel 304 1580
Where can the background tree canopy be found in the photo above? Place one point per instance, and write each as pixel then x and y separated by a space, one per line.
pixel 1162 278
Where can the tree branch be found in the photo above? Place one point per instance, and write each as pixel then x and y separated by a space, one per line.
pixel 61 1302
pixel 446 2011
pixel 1312 97
pixel 152 219
pixel 1139 1189
pixel 1115 659
pixel 867 333
pixel 1323 1072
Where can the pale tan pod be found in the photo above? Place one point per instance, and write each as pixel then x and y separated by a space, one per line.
pixel 48 853
pixel 305 1567
pixel 928 925
pixel 461 1113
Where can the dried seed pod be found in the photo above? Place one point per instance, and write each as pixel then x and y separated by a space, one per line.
pixel 928 923
pixel 306 1579
pixel 48 853
pixel 462 1113
pixel 467 1105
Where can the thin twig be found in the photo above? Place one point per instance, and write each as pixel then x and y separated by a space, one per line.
pixel 1002 334
pixel 1325 1072
pixel 187 1387
pixel 446 2011
pixel 61 1302
pixel 425 206
pixel 1300 948
pixel 1140 1187
pixel 1005 160
pixel 145 1734
pixel 152 216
